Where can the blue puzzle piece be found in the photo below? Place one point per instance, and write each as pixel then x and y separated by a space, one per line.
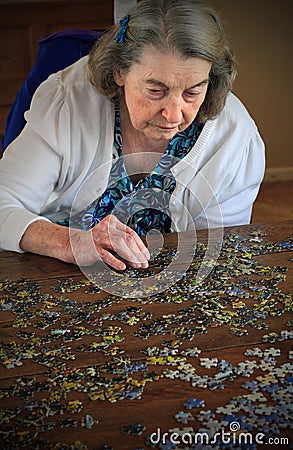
pixel 193 403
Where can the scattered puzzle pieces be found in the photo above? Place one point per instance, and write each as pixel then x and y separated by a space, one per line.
pixel 240 295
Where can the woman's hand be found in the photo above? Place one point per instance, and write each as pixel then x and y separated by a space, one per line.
pixel 87 247
pixel 108 236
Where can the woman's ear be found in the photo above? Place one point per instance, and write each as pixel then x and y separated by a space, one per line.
pixel 119 78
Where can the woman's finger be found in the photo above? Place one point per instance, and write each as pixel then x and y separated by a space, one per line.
pixel 125 246
pixel 108 258
pixel 126 242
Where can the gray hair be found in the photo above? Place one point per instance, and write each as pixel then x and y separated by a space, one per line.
pixel 190 28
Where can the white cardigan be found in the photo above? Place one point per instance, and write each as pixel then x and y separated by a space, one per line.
pixel 66 149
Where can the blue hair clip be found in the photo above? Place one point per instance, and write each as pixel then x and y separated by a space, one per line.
pixel 121 36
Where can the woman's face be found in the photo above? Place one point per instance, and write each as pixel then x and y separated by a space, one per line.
pixel 163 92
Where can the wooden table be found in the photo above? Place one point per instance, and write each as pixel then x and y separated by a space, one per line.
pixel 97 370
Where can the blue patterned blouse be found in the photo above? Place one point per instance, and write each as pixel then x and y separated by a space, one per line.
pixel 142 206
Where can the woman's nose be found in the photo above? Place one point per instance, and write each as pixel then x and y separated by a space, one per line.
pixel 172 110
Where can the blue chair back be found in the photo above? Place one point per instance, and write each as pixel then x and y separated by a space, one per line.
pixel 55 52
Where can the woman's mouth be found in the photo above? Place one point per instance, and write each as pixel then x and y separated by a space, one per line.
pixel 166 128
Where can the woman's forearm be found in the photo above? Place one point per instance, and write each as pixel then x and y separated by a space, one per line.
pixel 48 239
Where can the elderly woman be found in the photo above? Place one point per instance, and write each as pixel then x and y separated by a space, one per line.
pixel 144 130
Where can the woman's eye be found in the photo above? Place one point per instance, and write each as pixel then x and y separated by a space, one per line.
pixel 192 94
pixel 156 92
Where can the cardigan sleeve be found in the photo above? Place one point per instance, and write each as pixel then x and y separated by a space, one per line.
pixel 236 201
pixel 31 166
pixel 232 201
pixel 68 135
pixel 221 181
